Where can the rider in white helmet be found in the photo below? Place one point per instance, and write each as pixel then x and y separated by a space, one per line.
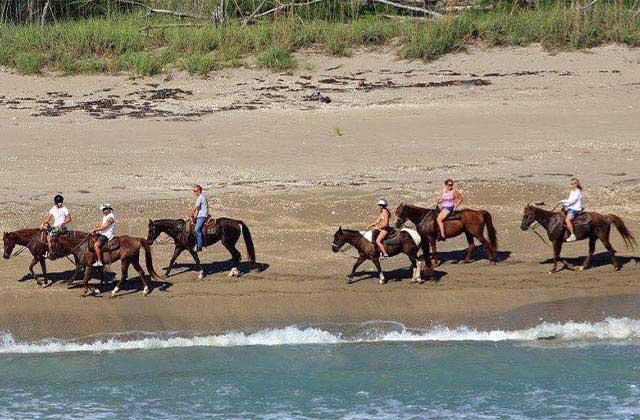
pixel 382 224
pixel 104 232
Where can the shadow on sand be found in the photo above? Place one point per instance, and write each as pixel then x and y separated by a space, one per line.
pixel 600 259
pixel 218 267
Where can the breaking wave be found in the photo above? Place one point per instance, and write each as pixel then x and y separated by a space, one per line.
pixel 610 329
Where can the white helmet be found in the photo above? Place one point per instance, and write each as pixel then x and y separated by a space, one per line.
pixel 106 206
pixel 383 202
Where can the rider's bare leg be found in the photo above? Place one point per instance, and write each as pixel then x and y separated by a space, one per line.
pixel 440 219
pixel 381 236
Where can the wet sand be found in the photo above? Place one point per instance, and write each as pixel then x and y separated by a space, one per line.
pixel 295 168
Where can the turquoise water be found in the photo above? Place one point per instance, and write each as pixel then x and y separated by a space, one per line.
pixel 585 378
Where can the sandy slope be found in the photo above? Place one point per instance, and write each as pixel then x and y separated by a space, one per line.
pixel 295 169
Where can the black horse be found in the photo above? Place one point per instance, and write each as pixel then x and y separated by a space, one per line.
pixel 590 225
pixel 226 230
pixel 397 242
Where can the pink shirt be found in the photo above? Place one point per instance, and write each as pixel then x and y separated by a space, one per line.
pixel 447 198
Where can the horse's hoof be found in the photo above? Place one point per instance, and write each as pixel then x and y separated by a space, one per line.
pixel 146 291
pixel 200 276
pixel 580 268
pixel 95 291
pixel 348 280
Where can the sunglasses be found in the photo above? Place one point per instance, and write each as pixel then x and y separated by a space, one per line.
pixel 449 185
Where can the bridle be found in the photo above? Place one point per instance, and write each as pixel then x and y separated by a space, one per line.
pixel 535 225
pixel 25 247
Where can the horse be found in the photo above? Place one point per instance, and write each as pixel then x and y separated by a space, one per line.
pixel 35 240
pixel 226 230
pixel 471 223
pixel 592 226
pixel 123 248
pixel 402 242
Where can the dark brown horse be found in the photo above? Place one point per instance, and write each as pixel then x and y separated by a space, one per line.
pixel 397 242
pixel 227 231
pixel 123 248
pixel 590 225
pixel 470 222
pixel 35 240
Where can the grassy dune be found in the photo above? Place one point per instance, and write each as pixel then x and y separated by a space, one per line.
pixel 115 43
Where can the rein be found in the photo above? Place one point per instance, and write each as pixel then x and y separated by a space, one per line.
pixel 25 247
pixel 535 225
pixel 75 248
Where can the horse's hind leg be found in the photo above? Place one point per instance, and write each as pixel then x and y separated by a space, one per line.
pixel 124 266
pixel 376 262
pixel 470 249
pixel 236 256
pixel 413 257
pixel 87 277
pixel 592 248
pixel 487 247
pixel 612 252
pixel 143 277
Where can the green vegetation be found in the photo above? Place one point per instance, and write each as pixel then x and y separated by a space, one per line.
pixel 114 42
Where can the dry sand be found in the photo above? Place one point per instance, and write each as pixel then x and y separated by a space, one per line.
pixel 510 125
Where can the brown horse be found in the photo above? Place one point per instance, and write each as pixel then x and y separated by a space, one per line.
pixel 470 222
pixel 590 225
pixel 35 240
pixel 397 242
pixel 123 248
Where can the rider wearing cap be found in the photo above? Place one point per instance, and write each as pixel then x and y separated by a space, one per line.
pixel 104 232
pixel 61 218
pixel 382 224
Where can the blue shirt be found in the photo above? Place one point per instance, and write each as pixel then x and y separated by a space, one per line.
pixel 202 205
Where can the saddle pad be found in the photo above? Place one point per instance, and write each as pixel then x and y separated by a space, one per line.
pixel 414 235
pixel 368 235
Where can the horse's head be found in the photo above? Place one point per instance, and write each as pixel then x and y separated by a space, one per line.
pixel 339 240
pixel 153 232
pixel 528 217
pixel 401 217
pixel 9 241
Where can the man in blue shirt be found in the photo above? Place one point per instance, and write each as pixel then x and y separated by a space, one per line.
pixel 199 213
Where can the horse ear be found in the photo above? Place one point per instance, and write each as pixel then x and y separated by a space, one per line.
pixel 150 222
pixel 340 229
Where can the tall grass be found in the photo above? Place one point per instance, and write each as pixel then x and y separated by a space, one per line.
pixel 115 43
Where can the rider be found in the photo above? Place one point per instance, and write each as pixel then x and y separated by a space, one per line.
pixel 448 202
pixel 199 213
pixel 104 232
pixel 61 218
pixel 574 205
pixel 382 224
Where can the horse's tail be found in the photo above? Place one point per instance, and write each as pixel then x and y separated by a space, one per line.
pixel 491 230
pixel 629 240
pixel 248 241
pixel 148 260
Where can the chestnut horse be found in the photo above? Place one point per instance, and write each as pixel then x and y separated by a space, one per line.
pixel 590 225
pixel 35 240
pixel 471 223
pixel 402 242
pixel 123 248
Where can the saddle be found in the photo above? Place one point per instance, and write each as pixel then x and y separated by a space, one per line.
pixel 210 226
pixel 112 245
pixel 454 215
pixel 372 235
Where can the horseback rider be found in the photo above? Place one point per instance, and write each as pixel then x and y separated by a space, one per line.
pixel 574 206
pixel 104 232
pixel 449 200
pixel 199 214
pixel 382 225
pixel 61 218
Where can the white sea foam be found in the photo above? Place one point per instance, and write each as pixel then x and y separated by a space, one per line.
pixel 611 329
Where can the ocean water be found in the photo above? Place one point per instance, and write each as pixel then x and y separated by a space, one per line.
pixel 357 371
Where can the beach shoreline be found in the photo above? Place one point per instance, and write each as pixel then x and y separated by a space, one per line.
pixel 294 170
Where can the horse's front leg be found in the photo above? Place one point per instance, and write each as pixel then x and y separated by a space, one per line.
pixel 43 266
pixel 376 262
pixel 415 268
pixel 87 276
pixel 194 254
pixel 470 249
pixel 427 260
pixel 557 248
pixel 432 244
pixel 357 264
pixel 34 261
pixel 176 253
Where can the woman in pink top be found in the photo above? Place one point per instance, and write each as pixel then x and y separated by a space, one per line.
pixel 448 202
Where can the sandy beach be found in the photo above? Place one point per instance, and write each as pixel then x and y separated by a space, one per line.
pixel 511 126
